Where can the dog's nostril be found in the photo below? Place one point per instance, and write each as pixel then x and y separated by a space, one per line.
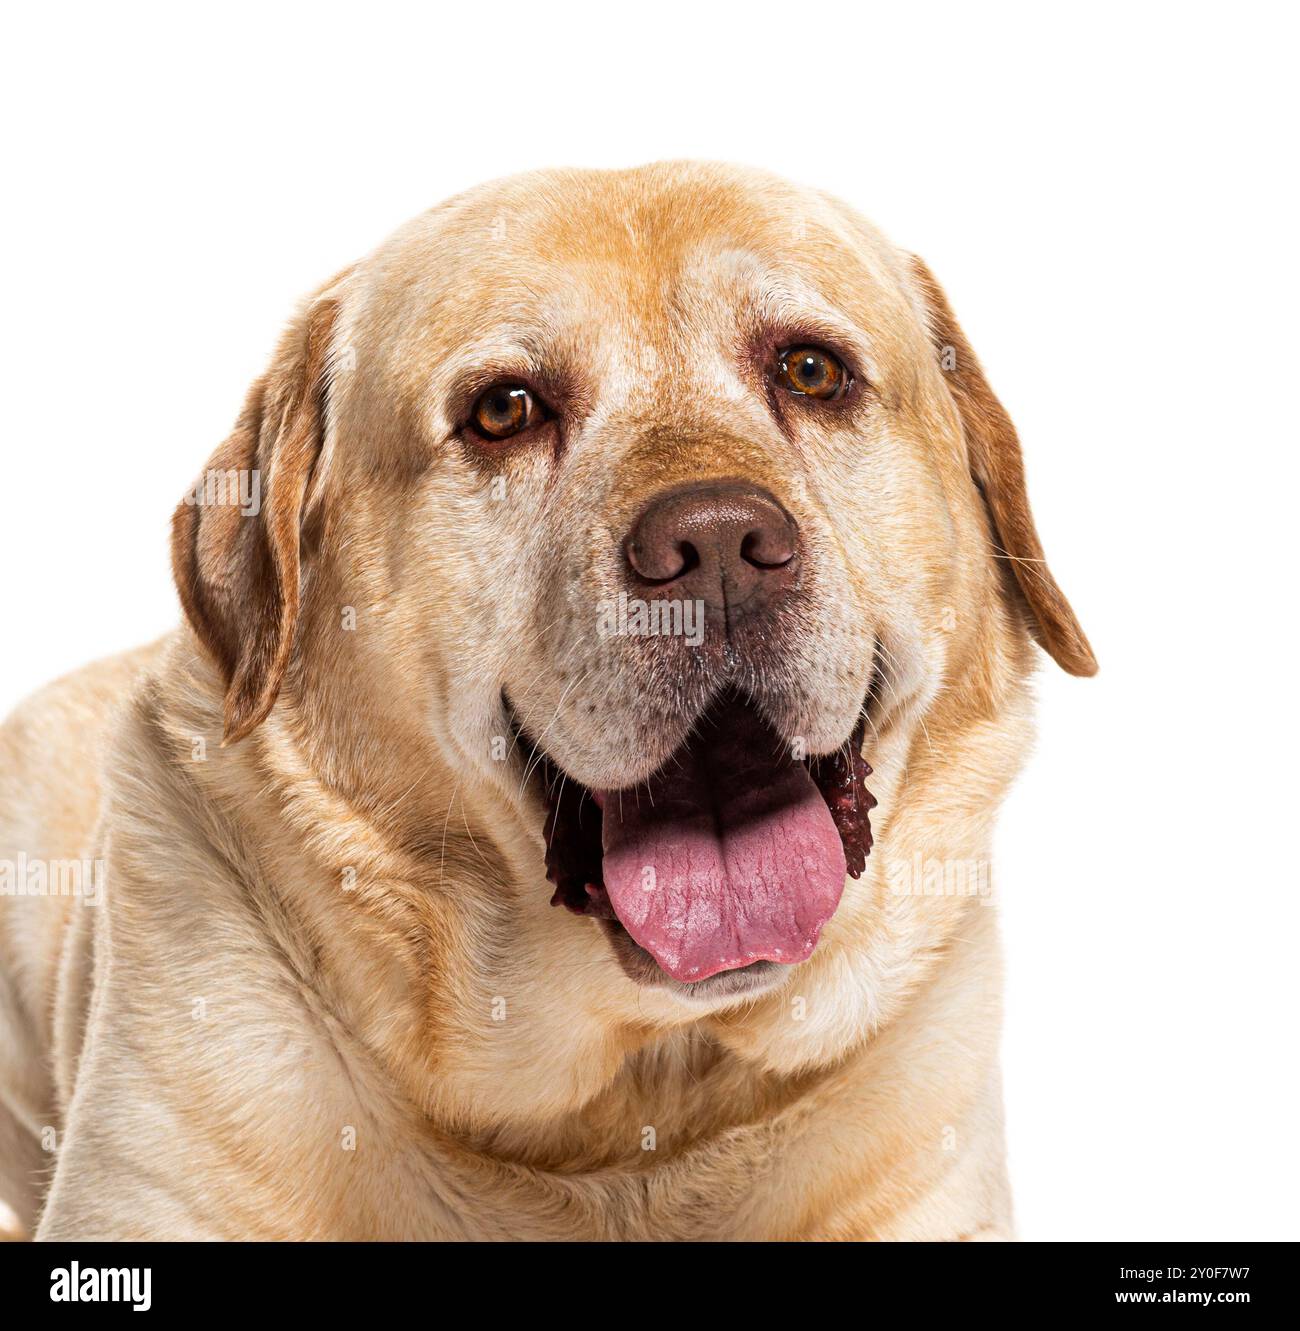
pixel 690 558
pixel 658 562
pixel 763 549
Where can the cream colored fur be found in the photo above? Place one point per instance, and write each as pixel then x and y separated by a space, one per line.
pixel 324 995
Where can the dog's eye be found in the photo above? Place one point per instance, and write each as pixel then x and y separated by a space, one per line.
pixel 811 372
pixel 505 410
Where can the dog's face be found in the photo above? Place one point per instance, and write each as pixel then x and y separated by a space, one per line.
pixel 661 497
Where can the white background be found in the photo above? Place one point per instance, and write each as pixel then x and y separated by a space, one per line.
pixel 1105 193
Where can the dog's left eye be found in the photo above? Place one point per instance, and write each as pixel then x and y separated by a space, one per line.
pixel 505 410
pixel 811 372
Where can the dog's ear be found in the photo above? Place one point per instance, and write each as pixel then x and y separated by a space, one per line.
pixel 999 474
pixel 236 535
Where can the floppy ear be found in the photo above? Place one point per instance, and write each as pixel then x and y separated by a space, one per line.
pixel 999 474
pixel 236 535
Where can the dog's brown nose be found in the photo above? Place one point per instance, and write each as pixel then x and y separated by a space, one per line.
pixel 726 543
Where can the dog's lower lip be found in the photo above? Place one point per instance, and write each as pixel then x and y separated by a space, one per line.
pixel 576 847
pixel 641 967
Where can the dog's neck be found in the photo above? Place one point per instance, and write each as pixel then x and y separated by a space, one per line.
pixel 376 884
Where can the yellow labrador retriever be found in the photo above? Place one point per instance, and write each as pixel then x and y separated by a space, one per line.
pixel 565 813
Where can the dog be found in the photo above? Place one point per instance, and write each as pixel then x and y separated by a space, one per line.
pixel 606 628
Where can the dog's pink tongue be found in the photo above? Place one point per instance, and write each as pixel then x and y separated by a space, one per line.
pixel 727 856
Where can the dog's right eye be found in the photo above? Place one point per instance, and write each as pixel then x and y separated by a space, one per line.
pixel 811 372
pixel 505 410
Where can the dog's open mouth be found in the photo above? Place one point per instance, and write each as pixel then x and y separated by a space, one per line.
pixel 733 853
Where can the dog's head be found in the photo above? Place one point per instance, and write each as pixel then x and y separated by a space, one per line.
pixel 657 499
